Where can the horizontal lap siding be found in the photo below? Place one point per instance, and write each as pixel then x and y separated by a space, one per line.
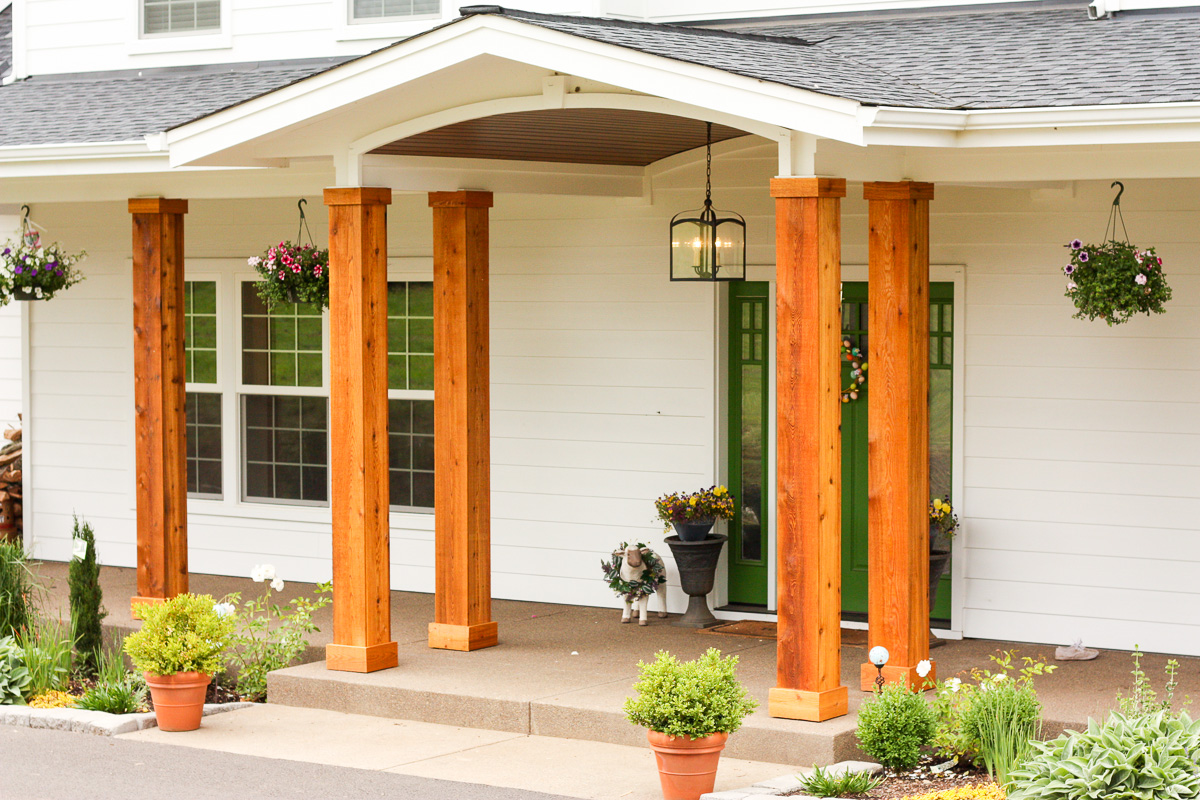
pixel 1082 452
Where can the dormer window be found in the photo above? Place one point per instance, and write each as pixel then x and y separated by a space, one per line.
pixel 387 10
pixel 168 17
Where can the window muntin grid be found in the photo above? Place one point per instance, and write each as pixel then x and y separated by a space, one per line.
pixel 203 432
pixel 410 396
pixel 200 331
pixel 285 448
pixel 282 346
pixel 165 17
pixel 378 10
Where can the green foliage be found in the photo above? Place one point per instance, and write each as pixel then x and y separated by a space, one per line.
pixel 1113 281
pixel 689 698
pixel 1143 699
pixel 821 783
pixel 954 699
pixel 894 725
pixel 715 502
pixel 290 272
pixel 270 636
pixel 47 645
pixel 17 589
pixel 1004 718
pixel 1152 757
pixel 14 676
pixel 124 695
pixel 86 599
pixel 184 634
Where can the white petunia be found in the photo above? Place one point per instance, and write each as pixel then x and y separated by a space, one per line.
pixel 277 584
pixel 254 262
pixel 268 572
pixel 923 668
pixel 953 684
pixel 258 574
pixel 224 609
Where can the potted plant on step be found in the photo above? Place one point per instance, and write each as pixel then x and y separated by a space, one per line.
pixel 689 708
pixel 179 648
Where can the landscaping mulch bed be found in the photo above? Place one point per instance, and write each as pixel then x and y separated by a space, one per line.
pixel 923 779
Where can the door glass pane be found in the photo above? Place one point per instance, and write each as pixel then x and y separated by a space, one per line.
pixel 940 408
pixel 752 462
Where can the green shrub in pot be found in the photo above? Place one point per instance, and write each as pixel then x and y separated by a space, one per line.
pixel 690 698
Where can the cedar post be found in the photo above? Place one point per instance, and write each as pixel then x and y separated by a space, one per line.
pixel 898 429
pixel 809 447
pixel 159 417
pixel 362 622
pixel 461 403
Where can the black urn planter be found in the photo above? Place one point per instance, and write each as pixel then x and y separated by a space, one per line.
pixel 23 294
pixel 695 530
pixel 697 563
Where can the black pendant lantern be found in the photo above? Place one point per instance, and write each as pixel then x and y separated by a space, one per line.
pixel 707 244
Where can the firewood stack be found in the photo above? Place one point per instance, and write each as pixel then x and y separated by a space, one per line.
pixel 10 487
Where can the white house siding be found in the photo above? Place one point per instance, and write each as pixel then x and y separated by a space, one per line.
pixel 1082 443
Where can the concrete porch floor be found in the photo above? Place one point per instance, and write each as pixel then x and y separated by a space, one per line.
pixel 564 671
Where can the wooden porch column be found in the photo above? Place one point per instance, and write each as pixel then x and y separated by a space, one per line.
pixel 362 621
pixel 808 322
pixel 461 425
pixel 898 429
pixel 159 418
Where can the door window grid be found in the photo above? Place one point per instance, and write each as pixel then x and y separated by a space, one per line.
pixel 410 399
pixel 203 431
pixel 750 328
pixel 281 346
pixel 164 17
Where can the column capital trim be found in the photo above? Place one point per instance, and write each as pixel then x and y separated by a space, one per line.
pixel 897 190
pixel 358 196
pixel 463 199
pixel 808 187
pixel 157 205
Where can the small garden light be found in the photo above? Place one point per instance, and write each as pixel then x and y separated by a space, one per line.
pixel 879 657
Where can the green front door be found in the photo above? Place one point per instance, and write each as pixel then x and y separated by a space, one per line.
pixel 854 436
pixel 749 362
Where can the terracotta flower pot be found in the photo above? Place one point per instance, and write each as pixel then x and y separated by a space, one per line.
pixel 178 699
pixel 686 767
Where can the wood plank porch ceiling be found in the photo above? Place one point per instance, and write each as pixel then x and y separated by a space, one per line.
pixel 617 137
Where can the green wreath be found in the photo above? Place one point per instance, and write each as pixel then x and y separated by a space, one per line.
pixel 654 574
pixel 858 371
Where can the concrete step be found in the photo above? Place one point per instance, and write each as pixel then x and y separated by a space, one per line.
pixel 528 704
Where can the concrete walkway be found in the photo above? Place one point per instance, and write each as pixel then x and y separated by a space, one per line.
pixel 566 767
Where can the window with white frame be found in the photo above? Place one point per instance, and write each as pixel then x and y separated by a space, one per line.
pixel 284 402
pixel 203 399
pixel 381 10
pixel 410 394
pixel 167 17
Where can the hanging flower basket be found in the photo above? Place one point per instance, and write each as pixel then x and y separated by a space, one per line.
pixel 29 271
pixel 1115 280
pixel 293 273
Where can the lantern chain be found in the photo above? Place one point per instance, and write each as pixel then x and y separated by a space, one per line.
pixel 708 168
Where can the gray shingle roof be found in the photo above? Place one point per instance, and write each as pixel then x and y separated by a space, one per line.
pixel 1004 58
pixel 5 40
pixel 116 107
pixel 1024 58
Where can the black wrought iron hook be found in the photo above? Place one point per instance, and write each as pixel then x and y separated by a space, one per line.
pixel 303 228
pixel 25 211
pixel 1117 199
pixel 302 201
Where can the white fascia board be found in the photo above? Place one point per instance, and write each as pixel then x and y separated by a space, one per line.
pixel 358 80
pixel 105 158
pixel 1149 123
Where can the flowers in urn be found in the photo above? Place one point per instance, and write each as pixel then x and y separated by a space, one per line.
pixel 942 518
pixel 293 273
pixel 31 271
pixel 1115 280
pixel 693 514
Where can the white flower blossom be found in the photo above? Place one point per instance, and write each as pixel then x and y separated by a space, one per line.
pixel 953 684
pixel 254 262
pixel 268 572
pixel 224 609
pixel 258 574
pixel 999 678
pixel 277 584
pixel 923 668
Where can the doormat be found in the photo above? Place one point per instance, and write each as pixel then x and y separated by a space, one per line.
pixel 757 629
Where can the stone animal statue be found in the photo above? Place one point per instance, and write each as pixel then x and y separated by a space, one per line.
pixel 635 573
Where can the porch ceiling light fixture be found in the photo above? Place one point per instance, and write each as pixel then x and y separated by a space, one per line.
pixel 707 244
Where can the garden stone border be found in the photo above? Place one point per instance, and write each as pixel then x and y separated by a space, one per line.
pixel 98 723
pixel 776 787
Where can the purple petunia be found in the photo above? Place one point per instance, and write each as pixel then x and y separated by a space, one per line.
pixel 1068 269
pixel 18 270
pixel 1076 244
pixel 52 264
pixel 7 250
pixel 1083 256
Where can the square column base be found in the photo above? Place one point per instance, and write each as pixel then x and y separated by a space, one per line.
pixel 356 658
pixel 810 706
pixel 896 674
pixel 463 637
pixel 136 603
